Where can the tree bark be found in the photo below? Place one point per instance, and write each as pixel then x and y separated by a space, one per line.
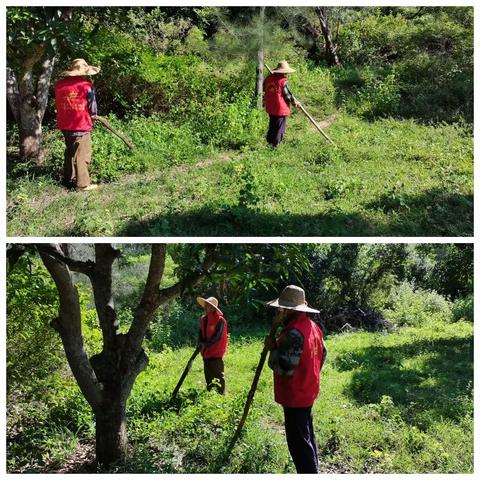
pixel 259 82
pixel 28 97
pixel 111 439
pixel 330 47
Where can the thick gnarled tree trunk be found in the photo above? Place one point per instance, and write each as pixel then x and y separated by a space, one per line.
pixel 111 440
pixel 106 379
pixel 27 94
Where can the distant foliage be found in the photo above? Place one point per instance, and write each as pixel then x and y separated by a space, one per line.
pixel 34 348
pixel 414 307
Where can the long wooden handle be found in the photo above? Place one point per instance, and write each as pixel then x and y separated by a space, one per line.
pixel 185 372
pixel 251 394
pixel 315 124
pixel 312 120
pixel 107 125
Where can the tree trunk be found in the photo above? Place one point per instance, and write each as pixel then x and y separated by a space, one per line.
pixel 30 133
pixel 259 83
pixel 27 95
pixel 330 47
pixel 111 433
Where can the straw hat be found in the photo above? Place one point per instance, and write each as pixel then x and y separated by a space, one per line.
pixel 283 67
pixel 211 301
pixel 292 298
pixel 80 67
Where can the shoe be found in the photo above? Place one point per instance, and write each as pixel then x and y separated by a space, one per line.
pixel 87 189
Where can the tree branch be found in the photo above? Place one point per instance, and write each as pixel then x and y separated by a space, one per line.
pixel 69 326
pixel 150 299
pixel 55 251
pixel 190 280
pixel 153 297
pixel 101 279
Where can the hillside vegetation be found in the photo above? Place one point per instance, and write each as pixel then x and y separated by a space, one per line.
pixel 398 107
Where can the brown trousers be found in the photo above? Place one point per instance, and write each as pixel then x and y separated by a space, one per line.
pixel 78 153
pixel 214 374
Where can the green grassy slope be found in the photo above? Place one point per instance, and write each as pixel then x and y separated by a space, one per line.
pixel 387 177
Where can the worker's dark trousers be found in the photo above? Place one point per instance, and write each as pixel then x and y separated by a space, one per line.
pixel 214 374
pixel 301 439
pixel 276 130
pixel 78 153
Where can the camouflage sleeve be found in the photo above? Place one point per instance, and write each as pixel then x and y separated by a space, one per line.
pixel 92 102
pixel 284 359
pixel 287 94
pixel 324 353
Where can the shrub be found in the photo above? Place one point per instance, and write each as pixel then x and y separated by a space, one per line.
pixel 463 309
pixel 410 306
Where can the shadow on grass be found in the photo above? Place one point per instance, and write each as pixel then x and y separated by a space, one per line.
pixel 441 373
pixel 435 211
pixel 430 213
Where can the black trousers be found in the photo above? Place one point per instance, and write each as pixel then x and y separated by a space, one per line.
pixel 301 439
pixel 214 374
pixel 276 130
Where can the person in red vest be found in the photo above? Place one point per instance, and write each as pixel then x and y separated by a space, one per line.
pixel 296 358
pixel 76 109
pixel 212 340
pixel 278 99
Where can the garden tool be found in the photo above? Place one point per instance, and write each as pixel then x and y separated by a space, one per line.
pixel 107 125
pixel 185 372
pixel 251 393
pixel 312 120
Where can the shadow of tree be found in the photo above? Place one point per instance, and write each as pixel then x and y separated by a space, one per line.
pixel 433 212
pixel 438 374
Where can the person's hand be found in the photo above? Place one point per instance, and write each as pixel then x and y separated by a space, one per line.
pixel 296 104
pixel 94 117
pixel 270 343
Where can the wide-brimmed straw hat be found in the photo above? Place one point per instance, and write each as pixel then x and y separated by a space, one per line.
pixel 292 298
pixel 80 67
pixel 211 301
pixel 283 67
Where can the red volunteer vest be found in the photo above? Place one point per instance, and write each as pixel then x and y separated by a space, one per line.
pixel 301 389
pixel 72 104
pixel 275 104
pixel 208 326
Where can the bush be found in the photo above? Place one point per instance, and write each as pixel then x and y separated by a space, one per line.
pixel 463 309
pixel 176 325
pixel 314 87
pixel 415 307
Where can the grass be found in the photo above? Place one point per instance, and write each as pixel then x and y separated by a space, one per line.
pixel 390 403
pixel 387 177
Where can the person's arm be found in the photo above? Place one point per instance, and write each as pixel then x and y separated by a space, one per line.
pixel 288 96
pixel 92 102
pixel 216 336
pixel 324 353
pixel 285 357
